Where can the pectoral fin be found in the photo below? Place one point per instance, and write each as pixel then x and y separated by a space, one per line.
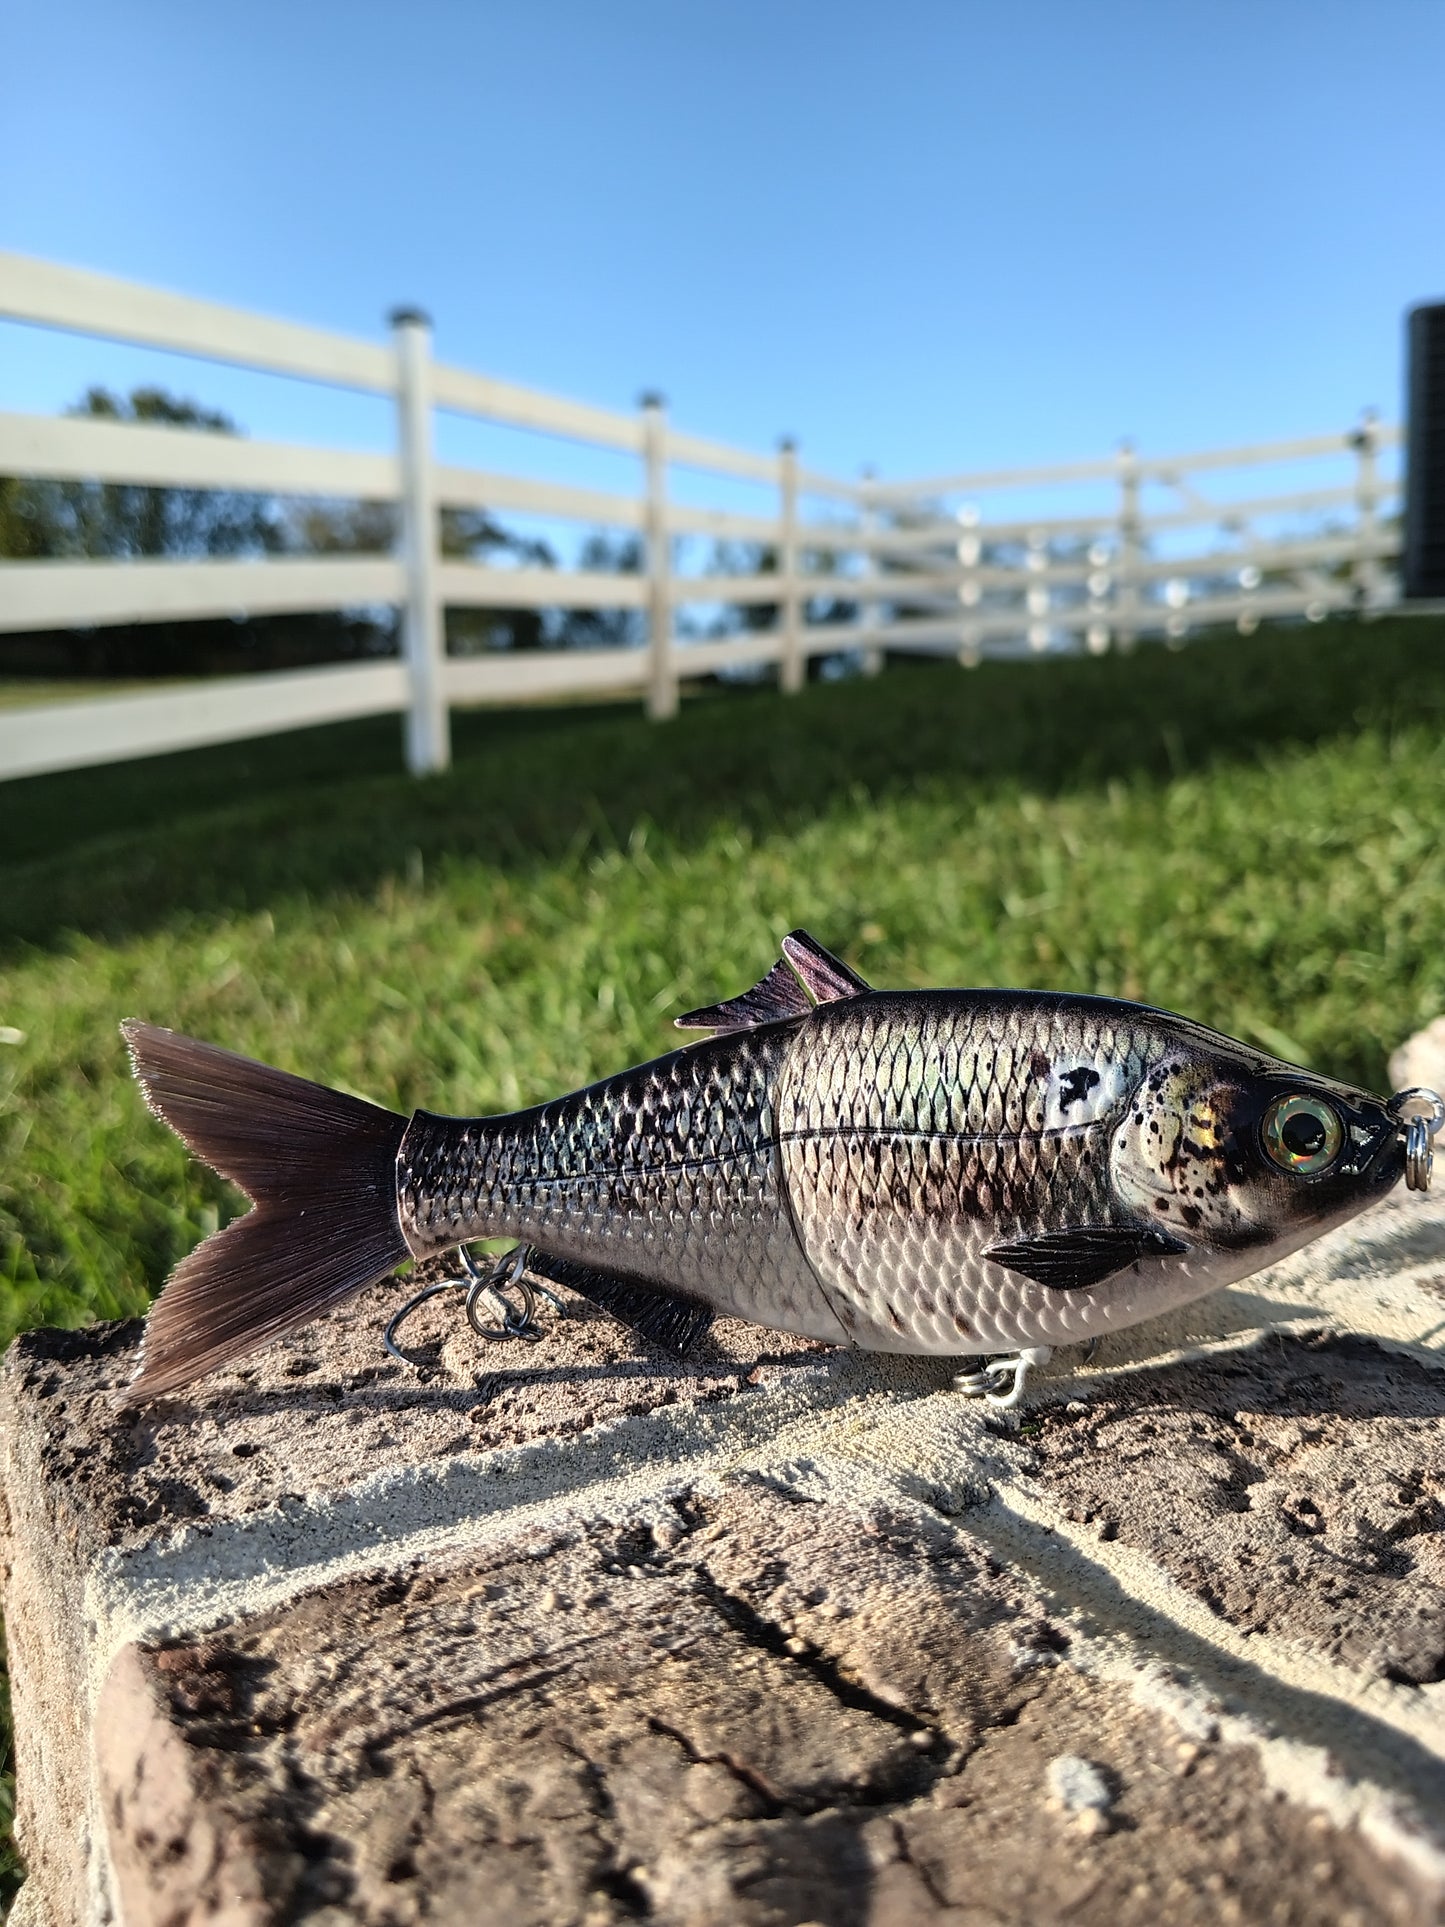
pixel 667 1319
pixel 1085 1254
pixel 825 980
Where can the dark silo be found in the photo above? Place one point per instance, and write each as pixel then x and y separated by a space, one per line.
pixel 1424 561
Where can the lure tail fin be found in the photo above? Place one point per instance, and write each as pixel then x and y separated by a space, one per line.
pixel 320 1169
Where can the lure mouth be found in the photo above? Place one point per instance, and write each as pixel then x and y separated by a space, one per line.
pixel 1420 1114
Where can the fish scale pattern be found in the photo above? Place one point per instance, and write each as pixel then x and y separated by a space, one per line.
pixel 845 1173
pixel 669 1172
pixel 919 1130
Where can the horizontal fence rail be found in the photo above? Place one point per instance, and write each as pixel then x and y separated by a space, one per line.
pixel 874 565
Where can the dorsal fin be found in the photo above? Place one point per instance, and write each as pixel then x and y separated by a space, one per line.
pixel 780 994
pixel 826 976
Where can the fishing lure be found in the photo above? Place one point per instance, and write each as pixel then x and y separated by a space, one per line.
pixel 973 1172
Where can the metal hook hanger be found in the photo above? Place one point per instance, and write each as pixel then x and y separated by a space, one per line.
pixel 507 1272
pixel 479 1282
pixel 1419 1132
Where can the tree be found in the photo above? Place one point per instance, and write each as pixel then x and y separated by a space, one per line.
pixel 756 618
pixel 604 628
pixel 42 520
pixel 473 535
pixel 59 520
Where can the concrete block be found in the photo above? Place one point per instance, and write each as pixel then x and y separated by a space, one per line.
pixel 563 1633
pixel 1420 1061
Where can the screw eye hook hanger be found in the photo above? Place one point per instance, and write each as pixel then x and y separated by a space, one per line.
pixel 489 1283
pixel 1427 1115
pixel 507 1274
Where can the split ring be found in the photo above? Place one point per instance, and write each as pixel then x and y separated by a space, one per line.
pixel 1419 1133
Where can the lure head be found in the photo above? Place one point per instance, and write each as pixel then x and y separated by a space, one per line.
pixel 1243 1154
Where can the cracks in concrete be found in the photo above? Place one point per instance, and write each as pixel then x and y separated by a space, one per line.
pixel 469 1704
pixel 1302 1707
pixel 614 1878
pixel 698 1639
pixel 773 1799
pixel 770 1637
pixel 921 1868
pixel 214 1571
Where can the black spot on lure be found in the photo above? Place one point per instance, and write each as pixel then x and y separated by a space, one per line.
pixel 952 1171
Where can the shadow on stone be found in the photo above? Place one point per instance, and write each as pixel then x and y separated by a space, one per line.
pixel 1375 1748
pixel 1302 1375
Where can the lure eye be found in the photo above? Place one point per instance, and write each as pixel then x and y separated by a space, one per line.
pixel 1302 1135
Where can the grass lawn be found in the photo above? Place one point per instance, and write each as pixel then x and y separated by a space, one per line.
pixel 23 692
pixel 1247 831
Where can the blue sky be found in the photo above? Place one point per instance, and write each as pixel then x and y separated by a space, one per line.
pixel 920 236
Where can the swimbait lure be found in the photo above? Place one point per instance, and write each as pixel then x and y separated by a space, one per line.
pixel 951 1171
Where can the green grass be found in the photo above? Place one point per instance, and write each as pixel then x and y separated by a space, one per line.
pixel 23 692
pixel 1245 831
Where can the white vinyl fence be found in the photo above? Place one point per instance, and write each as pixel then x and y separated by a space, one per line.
pixel 892 566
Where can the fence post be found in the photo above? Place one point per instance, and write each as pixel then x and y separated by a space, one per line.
pixel 661 668
pixel 1126 632
pixel 870 614
pixel 970 588
pixel 1037 598
pixel 792 666
pixel 1367 495
pixel 428 723
pixel 1098 583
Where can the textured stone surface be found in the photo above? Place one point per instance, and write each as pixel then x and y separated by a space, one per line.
pixel 563 1633
pixel 1296 1489
pixel 611 1723
pixel 326 1406
pixel 1421 1061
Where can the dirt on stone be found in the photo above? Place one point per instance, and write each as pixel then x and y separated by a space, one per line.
pixel 1296 1489
pixel 325 1407
pixel 737 1708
